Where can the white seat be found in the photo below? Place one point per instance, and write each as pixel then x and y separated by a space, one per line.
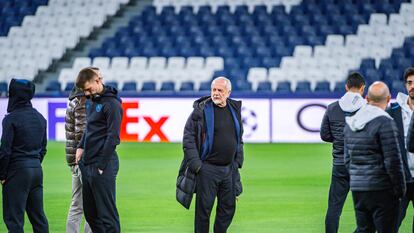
pixel 214 63
pixel 176 63
pixel 289 63
pixel 396 20
pixel 156 63
pixel 195 63
pixel 321 51
pixel 67 75
pixel 81 62
pixel 365 30
pixel 120 63
pixel 101 62
pixel 138 63
pixel 406 9
pixel 308 63
pixel 256 75
pixel 302 51
pixel 159 4
pixel 334 40
pixel 378 19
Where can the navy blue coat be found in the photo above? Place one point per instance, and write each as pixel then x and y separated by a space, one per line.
pixel 197 143
pixel 24 140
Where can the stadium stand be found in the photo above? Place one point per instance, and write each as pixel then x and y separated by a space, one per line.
pixel 274 46
pixel 33 41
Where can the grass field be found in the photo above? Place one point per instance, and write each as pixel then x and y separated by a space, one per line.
pixel 285 190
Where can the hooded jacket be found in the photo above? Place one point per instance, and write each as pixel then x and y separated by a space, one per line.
pixel 398 111
pixel 23 141
pixel 75 123
pixel 197 144
pixel 372 153
pixel 102 135
pixel 333 123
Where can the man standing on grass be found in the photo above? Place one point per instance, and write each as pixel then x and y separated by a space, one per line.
pixel 23 147
pixel 75 123
pixel 332 131
pixel 213 150
pixel 96 153
pixel 402 112
pixel 373 158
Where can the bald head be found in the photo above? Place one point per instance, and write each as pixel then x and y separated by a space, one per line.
pixel 378 95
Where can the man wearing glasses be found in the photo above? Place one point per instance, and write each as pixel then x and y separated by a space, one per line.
pixel 402 111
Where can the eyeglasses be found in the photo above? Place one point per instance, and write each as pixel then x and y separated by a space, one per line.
pixel 409 83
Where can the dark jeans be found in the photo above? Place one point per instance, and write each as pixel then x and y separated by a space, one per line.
pixel 99 197
pixel 337 195
pixel 214 181
pixel 405 201
pixel 23 191
pixel 376 211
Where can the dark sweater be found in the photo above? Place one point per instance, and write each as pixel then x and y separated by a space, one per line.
pixel 225 139
pixel 102 135
pixel 23 142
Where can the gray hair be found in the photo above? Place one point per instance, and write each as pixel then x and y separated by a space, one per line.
pixel 228 83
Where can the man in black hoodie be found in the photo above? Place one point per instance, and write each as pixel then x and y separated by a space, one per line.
pixel 23 147
pixel 332 128
pixel 96 153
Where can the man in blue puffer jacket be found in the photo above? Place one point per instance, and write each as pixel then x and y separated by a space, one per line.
pixel 373 158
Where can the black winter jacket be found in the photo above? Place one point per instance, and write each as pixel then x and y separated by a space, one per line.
pixel 23 141
pixel 333 123
pixel 194 137
pixel 102 135
pixel 372 154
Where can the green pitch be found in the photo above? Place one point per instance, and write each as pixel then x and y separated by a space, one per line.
pixel 285 190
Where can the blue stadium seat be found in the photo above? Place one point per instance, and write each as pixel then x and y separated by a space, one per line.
pixel 283 87
pixel 53 86
pixel 397 86
pixel 205 86
pixel 187 86
pixel 168 86
pixel 339 87
pixel 303 87
pixel 69 86
pixel 3 88
pixel 129 86
pixel 322 87
pixel 148 86
pixel 112 84
pixel 264 86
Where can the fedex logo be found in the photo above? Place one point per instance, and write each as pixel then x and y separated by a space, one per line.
pixel 134 127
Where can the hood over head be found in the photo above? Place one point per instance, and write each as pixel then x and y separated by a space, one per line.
pixel 21 91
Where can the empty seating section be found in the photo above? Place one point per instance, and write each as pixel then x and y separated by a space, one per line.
pixel 310 44
pixel 148 74
pixel 39 31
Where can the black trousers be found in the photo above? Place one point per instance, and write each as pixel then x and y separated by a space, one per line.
pixel 214 181
pixel 338 192
pixel 405 201
pixel 99 197
pixel 23 191
pixel 376 211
